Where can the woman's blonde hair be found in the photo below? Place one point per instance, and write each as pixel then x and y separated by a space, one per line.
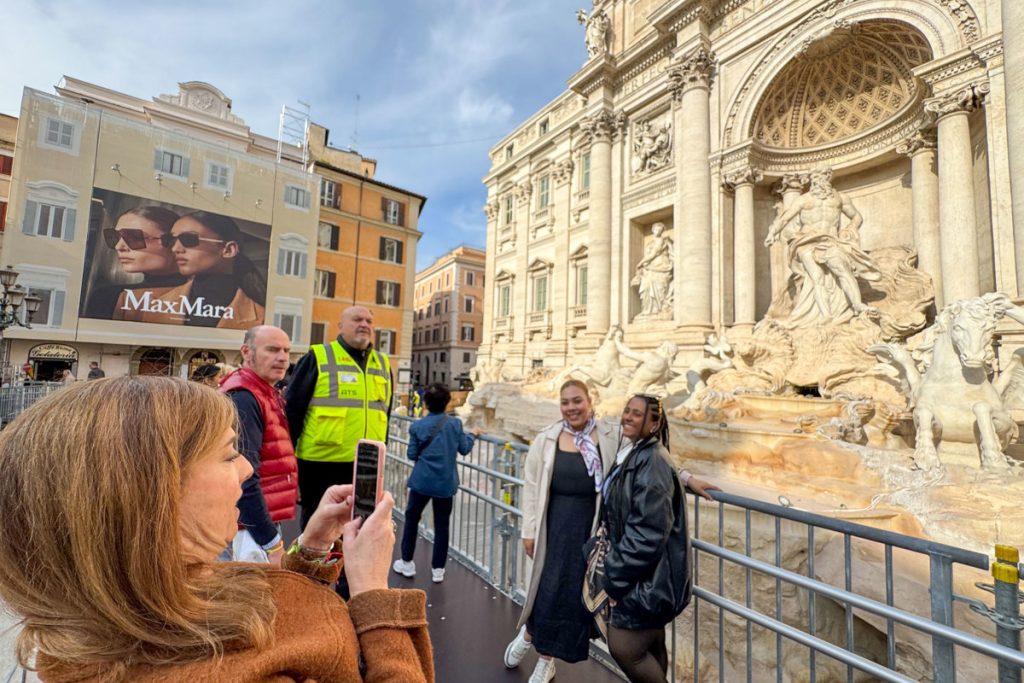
pixel 91 553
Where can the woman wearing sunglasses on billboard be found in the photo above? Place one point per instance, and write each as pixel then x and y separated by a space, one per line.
pixel 135 238
pixel 223 288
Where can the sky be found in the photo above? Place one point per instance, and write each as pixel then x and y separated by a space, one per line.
pixel 439 82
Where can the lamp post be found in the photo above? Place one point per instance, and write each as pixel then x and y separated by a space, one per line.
pixel 12 298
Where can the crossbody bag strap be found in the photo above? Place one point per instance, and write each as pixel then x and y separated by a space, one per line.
pixel 437 429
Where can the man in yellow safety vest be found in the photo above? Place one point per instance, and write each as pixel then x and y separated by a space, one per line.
pixel 340 392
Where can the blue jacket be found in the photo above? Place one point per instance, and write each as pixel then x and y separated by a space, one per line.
pixel 434 473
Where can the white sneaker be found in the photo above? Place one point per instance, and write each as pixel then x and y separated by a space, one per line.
pixel 544 671
pixel 517 649
pixel 437 575
pixel 406 569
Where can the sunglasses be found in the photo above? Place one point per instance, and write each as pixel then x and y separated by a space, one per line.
pixel 189 240
pixel 133 238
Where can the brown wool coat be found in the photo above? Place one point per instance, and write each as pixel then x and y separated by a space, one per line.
pixel 318 639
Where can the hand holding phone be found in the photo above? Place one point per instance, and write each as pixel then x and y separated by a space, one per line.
pixel 368 477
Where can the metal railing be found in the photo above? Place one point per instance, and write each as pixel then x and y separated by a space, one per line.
pixel 801 576
pixel 15 398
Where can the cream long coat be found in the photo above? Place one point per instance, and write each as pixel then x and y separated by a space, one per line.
pixel 540 461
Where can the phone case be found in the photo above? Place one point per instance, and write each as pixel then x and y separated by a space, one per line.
pixel 359 504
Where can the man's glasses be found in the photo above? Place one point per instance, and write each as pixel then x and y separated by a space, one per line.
pixel 189 240
pixel 132 237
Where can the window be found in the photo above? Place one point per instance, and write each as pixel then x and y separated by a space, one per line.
pixel 544 195
pixel 470 278
pixel 51 308
pixel 581 285
pixel 508 210
pixel 324 285
pixel 6 164
pixel 59 134
pixel 327 236
pixel 509 151
pixel 504 300
pixel 540 294
pixel 317 333
pixel 444 357
pixel 437 308
pixel 433 335
pixel 542 127
pixel 171 163
pixel 218 176
pixel 329 193
pixel 384 341
pixel 388 293
pixel 446 304
pixel 390 250
pixel 467 357
pixel 468 333
pixel 291 323
pixel 393 211
pixel 444 333
pixel 297 197
pixel 3 216
pixel 429 310
pixel 447 281
pixel 49 220
pixel 467 304
pixel 292 255
pixel 585 172
pixel 536 363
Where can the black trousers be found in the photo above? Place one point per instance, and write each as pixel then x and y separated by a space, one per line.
pixel 315 478
pixel 442 515
pixel 642 655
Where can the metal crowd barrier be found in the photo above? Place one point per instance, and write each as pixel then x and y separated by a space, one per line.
pixel 485 536
pixel 15 398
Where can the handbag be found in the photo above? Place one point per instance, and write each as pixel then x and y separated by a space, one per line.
pixel 594 597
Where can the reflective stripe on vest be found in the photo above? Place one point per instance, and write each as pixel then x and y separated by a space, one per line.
pixel 348 404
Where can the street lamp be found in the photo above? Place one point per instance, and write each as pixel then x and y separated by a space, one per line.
pixel 12 298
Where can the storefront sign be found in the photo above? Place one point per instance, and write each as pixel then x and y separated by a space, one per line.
pixel 53 352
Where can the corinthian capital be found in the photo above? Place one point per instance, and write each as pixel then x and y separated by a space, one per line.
pixel 747 175
pixel 491 209
pixel 523 190
pixel 964 100
pixel 694 70
pixel 602 126
pixel 562 171
pixel 920 140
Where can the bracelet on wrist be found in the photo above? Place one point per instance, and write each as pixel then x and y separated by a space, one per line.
pixel 276 548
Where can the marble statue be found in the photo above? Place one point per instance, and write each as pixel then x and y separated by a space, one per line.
pixel 599 369
pixel 654 371
pixel 652 147
pixel 653 276
pixel 488 370
pixel 952 398
pixel 597 25
pixel 824 257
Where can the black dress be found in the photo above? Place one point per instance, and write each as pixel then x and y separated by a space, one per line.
pixel 559 623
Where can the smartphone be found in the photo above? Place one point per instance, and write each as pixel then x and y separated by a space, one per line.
pixel 369 476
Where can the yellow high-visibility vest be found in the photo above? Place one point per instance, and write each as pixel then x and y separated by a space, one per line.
pixel 347 405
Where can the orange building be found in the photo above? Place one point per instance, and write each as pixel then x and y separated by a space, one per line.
pixel 366 250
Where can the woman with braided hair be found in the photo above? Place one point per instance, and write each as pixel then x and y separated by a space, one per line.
pixel 646 570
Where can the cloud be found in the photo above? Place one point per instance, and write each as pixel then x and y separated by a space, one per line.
pixel 473 109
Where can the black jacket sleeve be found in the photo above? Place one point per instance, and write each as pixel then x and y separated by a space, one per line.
pixel 299 394
pixel 646 528
pixel 252 506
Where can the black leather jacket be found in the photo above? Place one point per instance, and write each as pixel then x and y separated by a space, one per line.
pixel 647 569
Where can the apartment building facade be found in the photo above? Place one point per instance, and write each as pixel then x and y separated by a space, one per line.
pixel 8 131
pixel 449 300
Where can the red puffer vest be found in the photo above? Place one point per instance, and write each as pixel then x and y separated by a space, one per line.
pixel 279 478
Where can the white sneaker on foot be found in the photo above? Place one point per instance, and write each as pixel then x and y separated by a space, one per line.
pixel 406 569
pixel 437 575
pixel 517 649
pixel 544 671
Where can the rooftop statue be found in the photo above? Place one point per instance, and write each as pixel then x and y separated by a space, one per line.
pixel 597 25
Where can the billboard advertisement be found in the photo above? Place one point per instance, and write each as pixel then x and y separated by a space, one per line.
pixel 154 262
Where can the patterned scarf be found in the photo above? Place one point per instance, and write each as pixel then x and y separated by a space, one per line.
pixel 588 449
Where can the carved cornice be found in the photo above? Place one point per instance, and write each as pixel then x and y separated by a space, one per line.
pixel 920 141
pixel 745 176
pixel 965 16
pixel 962 101
pixel 562 172
pixel 695 70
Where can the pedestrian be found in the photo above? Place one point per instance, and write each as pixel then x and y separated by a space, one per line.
pixel 647 567
pixel 339 393
pixel 433 443
pixel 141 596
pixel 269 495
pixel 95 372
pixel 208 374
pixel 67 377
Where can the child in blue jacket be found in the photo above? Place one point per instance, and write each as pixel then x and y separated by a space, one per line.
pixel 433 443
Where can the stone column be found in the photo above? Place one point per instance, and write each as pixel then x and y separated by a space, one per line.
pixel 789 187
pixel 600 128
pixel 1013 60
pixel 744 245
pixel 521 283
pixel 690 83
pixel 925 193
pixel 957 228
pixel 492 210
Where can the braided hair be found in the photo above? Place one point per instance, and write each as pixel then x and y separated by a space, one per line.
pixel 656 410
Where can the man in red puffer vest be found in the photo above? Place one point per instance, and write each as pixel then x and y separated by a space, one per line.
pixel 269 496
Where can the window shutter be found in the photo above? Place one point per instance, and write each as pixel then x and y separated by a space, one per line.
pixel 335 236
pixel 305 198
pixel 401 214
pixel 398 294
pixel 68 234
pixel 384 209
pixel 57 308
pixel 376 339
pixel 332 279
pixel 400 244
pixel 383 249
pixel 281 254
pixel 380 292
pixel 302 265
pixel 28 221
pixel 337 196
pixel 158 159
pixel 185 162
